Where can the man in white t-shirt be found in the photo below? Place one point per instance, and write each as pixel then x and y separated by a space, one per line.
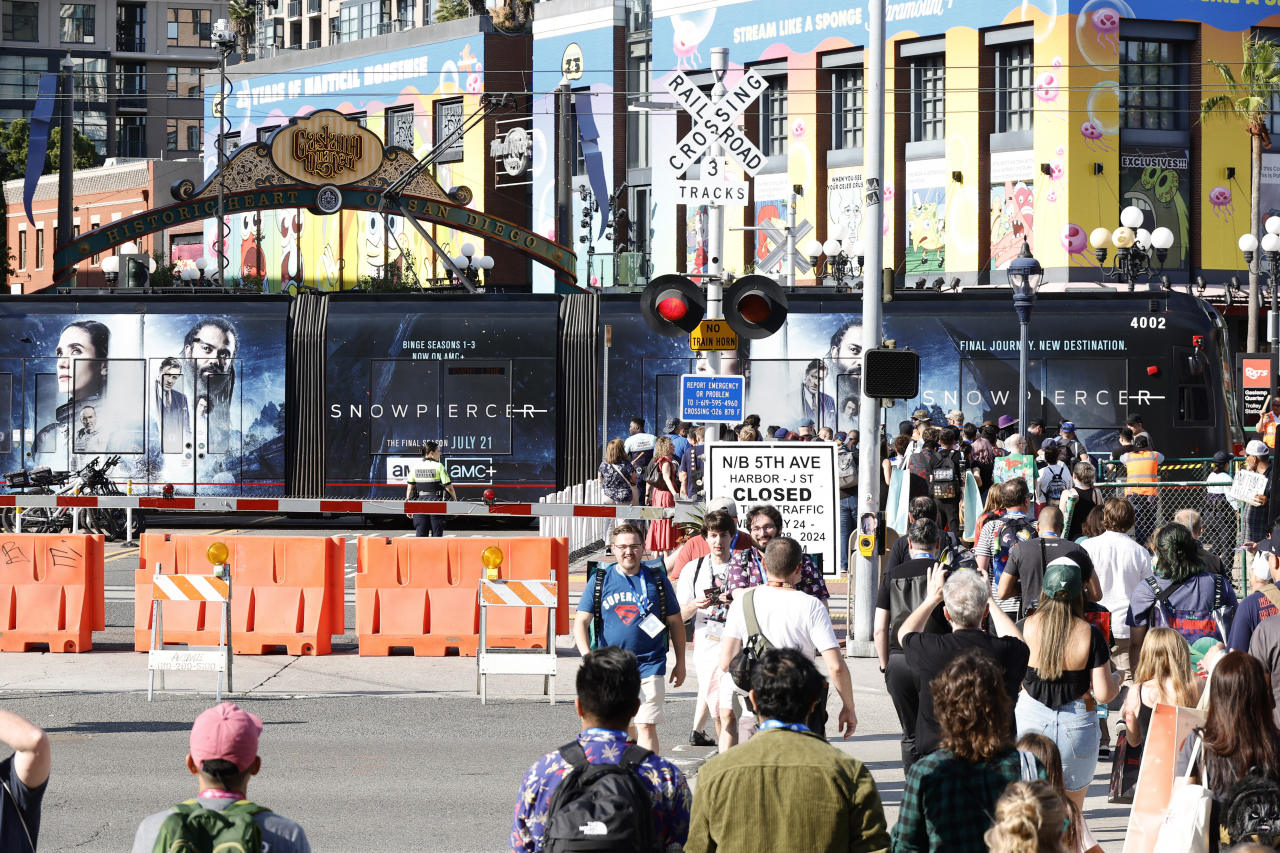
pixel 698 589
pixel 639 447
pixel 1055 477
pixel 789 619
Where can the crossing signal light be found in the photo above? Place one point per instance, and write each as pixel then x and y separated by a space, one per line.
pixel 673 305
pixel 891 374
pixel 755 307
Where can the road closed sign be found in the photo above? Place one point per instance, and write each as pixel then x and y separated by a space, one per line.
pixel 798 478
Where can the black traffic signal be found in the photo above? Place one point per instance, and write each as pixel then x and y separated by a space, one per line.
pixel 755 307
pixel 673 305
pixel 891 374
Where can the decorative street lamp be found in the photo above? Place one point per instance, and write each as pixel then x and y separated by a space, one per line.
pixel 470 265
pixel 1025 273
pixel 1134 246
pixel 844 258
pixel 1271 255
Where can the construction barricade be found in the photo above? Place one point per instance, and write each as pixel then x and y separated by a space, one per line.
pixel 52 590
pixel 517 661
pixel 289 592
pixel 423 593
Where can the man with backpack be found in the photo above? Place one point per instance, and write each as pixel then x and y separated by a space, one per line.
pixel 1024 572
pixel 999 535
pixel 952 552
pixel 633 606
pixel 1055 477
pixel 901 592
pixel 223 757
pixel 24 776
pixel 778 615
pixel 946 479
pixel 598 788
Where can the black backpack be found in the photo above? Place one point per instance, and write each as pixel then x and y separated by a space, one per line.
pixel 601 806
pixel 1057 482
pixel 944 477
pixel 1251 811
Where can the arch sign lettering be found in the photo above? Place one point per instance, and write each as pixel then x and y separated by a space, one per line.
pixel 324 162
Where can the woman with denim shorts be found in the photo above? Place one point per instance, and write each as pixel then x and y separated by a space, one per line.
pixel 1069 658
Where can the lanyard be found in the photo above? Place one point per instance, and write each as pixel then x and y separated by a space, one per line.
pixel 642 597
pixel 778 724
pixel 219 794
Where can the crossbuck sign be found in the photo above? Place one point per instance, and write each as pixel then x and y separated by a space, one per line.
pixel 713 122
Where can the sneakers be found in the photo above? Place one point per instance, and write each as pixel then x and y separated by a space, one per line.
pixel 1104 752
pixel 699 738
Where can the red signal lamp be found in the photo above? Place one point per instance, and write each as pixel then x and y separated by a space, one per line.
pixel 672 305
pixel 1153 370
pixel 672 309
pixel 488 495
pixel 755 307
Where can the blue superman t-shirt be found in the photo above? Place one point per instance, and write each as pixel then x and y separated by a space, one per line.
pixel 624 603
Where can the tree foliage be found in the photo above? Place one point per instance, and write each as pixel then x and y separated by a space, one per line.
pixel 451 10
pixel 15 136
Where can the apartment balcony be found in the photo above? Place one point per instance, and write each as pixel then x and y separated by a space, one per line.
pixel 313 7
pixel 312 45
pixel 131 148
pixel 295 8
pixel 130 44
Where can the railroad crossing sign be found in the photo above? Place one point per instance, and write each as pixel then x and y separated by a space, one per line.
pixel 712 122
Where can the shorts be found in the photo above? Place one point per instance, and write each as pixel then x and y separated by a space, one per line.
pixel 1073 727
pixel 1120 659
pixel 730 695
pixel 653 694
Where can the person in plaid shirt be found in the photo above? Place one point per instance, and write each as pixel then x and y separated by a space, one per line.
pixel 951 794
pixel 608 697
pixel 765 523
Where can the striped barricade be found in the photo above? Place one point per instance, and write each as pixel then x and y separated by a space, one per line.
pixel 509 661
pixel 192 588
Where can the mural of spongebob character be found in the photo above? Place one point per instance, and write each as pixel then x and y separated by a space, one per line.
pixel 926 232
pixel 1162 193
pixel 291 265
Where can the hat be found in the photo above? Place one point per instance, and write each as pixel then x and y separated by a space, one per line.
pixel 1006 421
pixel 792 436
pixel 725 504
pixel 921 415
pixel 1062 580
pixel 842 436
pixel 1068 426
pixel 1048 442
pixel 672 425
pixel 1200 648
pixel 1257 448
pixel 806 422
pixel 955 415
pixel 1133 419
pixel 780 433
pixel 1222 457
pixel 226 733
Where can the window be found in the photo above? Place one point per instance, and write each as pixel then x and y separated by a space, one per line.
pixel 90 79
pixel 79 22
pixel 131 136
pixel 22 249
pixel 846 108
pixel 39 248
pixel 361 20
pixel 131 28
pixel 230 142
pixel 448 117
pixel 184 82
pixel 20 21
pixel 131 85
pixel 93 124
pixel 928 98
pixel 773 117
pixel 1149 77
pixel 20 76
pixel 404 12
pixel 182 134
pixel 1014 73
pixel 190 28
pixel 400 127
pixel 264 133
pixel 639 82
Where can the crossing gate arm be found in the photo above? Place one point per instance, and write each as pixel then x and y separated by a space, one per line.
pixel 517 593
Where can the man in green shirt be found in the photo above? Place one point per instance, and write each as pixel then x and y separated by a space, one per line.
pixel 429 480
pixel 805 795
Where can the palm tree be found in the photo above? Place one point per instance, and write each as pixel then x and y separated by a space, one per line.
pixel 244 17
pixel 1250 100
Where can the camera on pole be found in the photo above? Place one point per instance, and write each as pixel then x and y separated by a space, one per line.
pixel 673 305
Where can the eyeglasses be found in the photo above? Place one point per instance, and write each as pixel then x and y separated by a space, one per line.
pixel 628 547
pixel 768 529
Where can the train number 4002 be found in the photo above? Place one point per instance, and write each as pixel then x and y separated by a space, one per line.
pixel 1147 322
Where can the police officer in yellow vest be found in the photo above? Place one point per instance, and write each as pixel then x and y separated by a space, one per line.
pixel 429 480
pixel 1267 423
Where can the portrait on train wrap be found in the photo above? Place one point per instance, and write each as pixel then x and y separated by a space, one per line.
pixel 482 385
pixel 189 396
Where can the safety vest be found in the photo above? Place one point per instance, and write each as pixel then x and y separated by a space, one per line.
pixel 428 476
pixel 1269 431
pixel 1142 467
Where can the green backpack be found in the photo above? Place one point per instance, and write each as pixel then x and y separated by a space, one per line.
pixel 195 829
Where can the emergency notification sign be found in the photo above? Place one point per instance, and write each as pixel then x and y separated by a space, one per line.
pixel 704 397
pixel 798 478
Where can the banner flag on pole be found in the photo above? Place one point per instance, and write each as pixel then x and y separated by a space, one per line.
pixel 592 155
pixel 38 144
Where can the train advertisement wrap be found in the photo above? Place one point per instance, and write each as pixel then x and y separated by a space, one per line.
pixel 1088 366
pixel 187 394
pixel 481 384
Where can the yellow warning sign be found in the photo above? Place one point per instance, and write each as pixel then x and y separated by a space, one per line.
pixel 713 335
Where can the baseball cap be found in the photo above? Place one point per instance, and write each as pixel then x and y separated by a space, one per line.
pixel 806 422
pixel 1068 426
pixel 1049 442
pixel 1257 448
pixel 1062 580
pixel 672 425
pixel 780 433
pixel 227 733
pixel 955 415
pixel 920 415
pixel 1222 457
pixel 725 504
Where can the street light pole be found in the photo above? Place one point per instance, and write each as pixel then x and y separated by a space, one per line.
pixel 225 40
pixel 1024 278
pixel 862 588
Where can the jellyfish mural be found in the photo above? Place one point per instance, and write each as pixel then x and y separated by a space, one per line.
pixel 1048 88
pixel 1076 244
pixel 1220 198
pixel 1094 137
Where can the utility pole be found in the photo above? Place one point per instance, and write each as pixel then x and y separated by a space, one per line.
pixel 66 168
pixel 859 642
pixel 564 151
pixel 715 224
